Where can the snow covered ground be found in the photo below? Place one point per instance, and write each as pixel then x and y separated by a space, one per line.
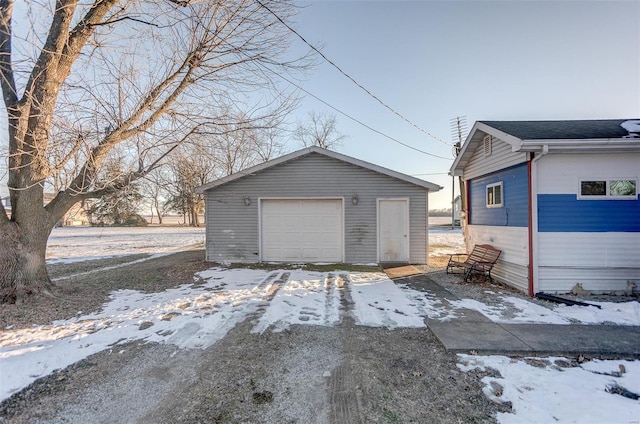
pixel 624 313
pixel 76 244
pixel 444 241
pixel 541 391
pixel 198 315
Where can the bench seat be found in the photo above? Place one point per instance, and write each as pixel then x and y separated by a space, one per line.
pixel 480 261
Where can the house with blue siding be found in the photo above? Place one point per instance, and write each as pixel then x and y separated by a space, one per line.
pixel 559 198
pixel 317 205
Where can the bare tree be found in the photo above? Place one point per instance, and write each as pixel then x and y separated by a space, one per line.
pixel 154 190
pixel 203 159
pixel 188 171
pixel 117 207
pixel 320 130
pixel 123 79
pixel 241 147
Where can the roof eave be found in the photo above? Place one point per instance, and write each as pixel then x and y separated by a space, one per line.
pixel 330 153
pixel 472 142
pixel 619 145
pixel 382 170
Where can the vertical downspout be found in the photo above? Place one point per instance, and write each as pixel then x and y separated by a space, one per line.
pixel 533 219
pixel 467 214
pixel 530 188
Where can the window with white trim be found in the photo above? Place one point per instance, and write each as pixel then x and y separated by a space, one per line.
pixel 494 195
pixel 614 188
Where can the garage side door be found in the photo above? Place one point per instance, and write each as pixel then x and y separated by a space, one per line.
pixel 302 230
pixel 393 230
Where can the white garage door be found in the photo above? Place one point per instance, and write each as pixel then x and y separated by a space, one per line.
pixel 302 230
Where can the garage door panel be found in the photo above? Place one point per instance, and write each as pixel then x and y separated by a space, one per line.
pixel 304 230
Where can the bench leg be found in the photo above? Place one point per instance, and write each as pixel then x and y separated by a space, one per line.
pixel 467 274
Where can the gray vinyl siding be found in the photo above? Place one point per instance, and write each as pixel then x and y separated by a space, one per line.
pixel 501 157
pixel 233 228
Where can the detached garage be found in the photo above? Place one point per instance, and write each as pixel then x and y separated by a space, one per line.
pixel 316 205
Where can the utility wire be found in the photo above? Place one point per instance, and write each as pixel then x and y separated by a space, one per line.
pixel 351 78
pixel 362 123
pixel 432 173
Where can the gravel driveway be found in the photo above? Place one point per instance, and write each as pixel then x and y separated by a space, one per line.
pixel 304 374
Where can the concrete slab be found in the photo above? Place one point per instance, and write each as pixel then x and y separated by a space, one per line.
pixel 433 289
pixel 471 316
pixel 486 337
pixel 470 330
pixel 424 283
pixel 578 339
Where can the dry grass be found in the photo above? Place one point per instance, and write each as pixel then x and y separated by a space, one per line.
pixel 305 267
pixel 438 261
pixel 88 292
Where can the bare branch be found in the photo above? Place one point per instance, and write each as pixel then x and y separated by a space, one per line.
pixel 183 3
pixel 320 130
pixel 124 18
pixel 7 76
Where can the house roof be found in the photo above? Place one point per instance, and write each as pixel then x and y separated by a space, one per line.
pixel 562 130
pixel 599 135
pixel 329 153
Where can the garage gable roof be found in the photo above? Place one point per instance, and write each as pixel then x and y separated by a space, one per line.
pixel 329 153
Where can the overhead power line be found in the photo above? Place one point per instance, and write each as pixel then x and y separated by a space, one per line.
pixel 431 173
pixel 351 78
pixel 362 123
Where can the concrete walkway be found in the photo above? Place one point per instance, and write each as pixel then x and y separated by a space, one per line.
pixel 472 331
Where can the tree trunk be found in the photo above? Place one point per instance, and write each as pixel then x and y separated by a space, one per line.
pixel 23 270
pixel 193 216
pixel 157 205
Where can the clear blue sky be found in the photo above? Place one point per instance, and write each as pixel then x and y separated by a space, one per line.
pixel 486 60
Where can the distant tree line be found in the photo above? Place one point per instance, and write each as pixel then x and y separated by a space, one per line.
pixel 440 212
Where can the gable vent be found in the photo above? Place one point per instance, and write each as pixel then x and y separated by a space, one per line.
pixel 487 145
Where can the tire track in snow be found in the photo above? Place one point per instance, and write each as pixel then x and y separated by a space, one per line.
pixel 343 284
pixel 329 290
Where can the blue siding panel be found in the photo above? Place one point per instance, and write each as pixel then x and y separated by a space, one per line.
pixel 564 213
pixel 515 210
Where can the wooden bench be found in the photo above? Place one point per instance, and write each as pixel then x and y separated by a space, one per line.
pixel 480 261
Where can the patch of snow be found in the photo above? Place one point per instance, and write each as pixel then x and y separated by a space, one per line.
pixel 445 241
pixel 72 260
pixel 525 312
pixel 432 306
pixel 108 268
pixel 632 126
pixel 187 316
pixel 515 310
pixel 547 393
pixel 379 302
pixel 73 244
pixel 197 316
pixel 623 313
pixel 305 298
